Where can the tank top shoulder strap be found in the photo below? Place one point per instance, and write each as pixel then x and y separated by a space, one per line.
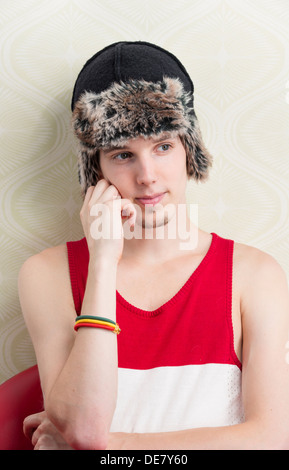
pixel 222 273
pixel 78 259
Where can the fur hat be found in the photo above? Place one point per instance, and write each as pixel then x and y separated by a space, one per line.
pixel 132 89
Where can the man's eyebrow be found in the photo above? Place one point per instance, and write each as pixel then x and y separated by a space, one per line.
pixel 161 137
pixel 113 148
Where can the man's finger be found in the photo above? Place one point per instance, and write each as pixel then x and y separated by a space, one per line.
pixel 31 423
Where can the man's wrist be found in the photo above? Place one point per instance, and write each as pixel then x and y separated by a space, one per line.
pixel 102 265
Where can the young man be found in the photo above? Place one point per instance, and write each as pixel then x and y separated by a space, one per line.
pixel 200 361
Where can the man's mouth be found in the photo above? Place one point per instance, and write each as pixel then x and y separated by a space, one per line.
pixel 151 199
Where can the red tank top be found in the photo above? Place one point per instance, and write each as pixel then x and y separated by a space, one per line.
pixel 186 345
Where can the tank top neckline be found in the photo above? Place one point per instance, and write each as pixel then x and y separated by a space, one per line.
pixel 181 292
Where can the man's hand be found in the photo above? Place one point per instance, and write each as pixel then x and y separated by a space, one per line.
pixel 43 434
pixel 101 216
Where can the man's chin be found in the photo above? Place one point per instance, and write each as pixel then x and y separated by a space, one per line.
pixel 156 216
pixel 154 222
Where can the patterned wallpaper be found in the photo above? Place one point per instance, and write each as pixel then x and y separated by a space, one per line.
pixel 238 56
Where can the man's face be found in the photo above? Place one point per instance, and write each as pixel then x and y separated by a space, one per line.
pixel 151 173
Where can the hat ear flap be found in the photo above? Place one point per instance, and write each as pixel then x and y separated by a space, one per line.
pixel 89 171
pixel 199 160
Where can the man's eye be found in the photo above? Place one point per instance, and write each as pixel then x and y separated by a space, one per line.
pixel 164 147
pixel 121 156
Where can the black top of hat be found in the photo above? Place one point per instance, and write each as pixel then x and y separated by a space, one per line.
pixel 122 61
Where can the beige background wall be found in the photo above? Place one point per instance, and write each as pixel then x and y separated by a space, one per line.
pixel 237 52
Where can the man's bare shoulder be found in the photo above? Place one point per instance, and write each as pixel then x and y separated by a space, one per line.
pixel 255 269
pixel 249 258
pixel 48 257
pixel 48 264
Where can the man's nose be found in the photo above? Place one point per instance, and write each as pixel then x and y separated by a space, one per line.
pixel 146 171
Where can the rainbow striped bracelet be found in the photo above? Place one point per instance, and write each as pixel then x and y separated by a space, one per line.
pixel 96 322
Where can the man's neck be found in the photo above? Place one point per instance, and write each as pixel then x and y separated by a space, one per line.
pixel 156 246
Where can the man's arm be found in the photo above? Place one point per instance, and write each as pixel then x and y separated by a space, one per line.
pixel 78 371
pixel 265 375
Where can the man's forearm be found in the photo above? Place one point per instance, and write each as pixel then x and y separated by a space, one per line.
pixel 245 436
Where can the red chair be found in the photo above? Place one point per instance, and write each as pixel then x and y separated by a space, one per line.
pixel 20 396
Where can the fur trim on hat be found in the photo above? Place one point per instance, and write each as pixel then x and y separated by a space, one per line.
pixel 132 109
